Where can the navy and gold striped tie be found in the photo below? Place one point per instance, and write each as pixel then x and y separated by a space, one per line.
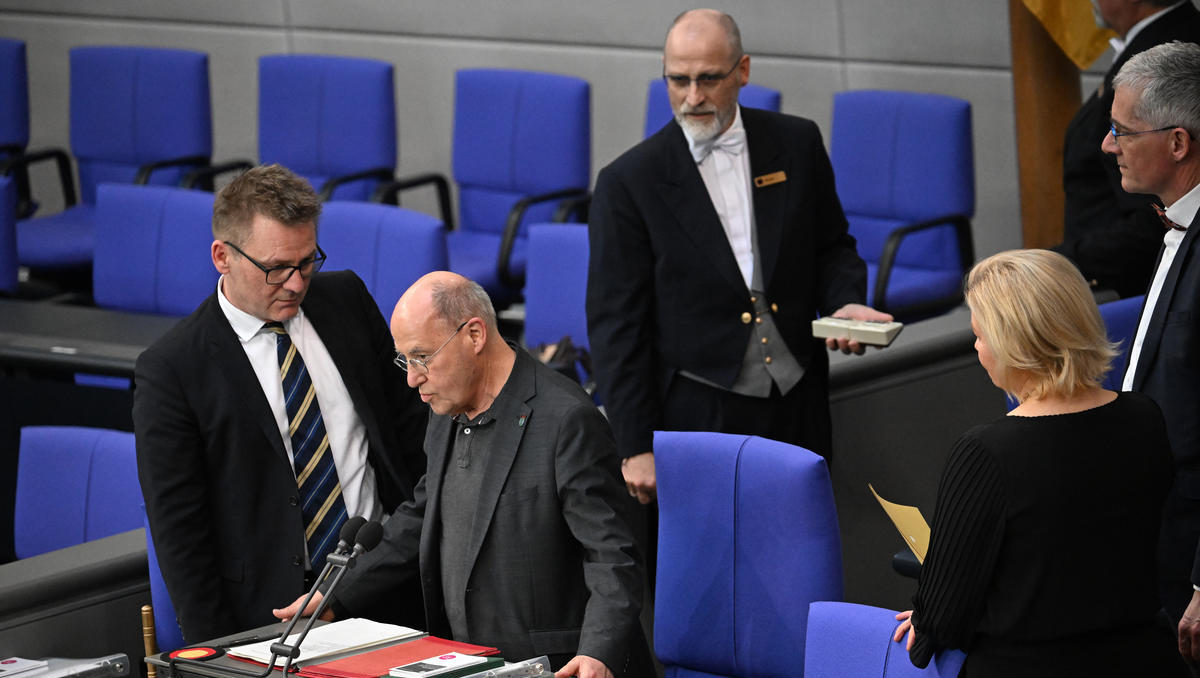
pixel 321 500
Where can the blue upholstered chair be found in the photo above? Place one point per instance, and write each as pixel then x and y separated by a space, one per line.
pixel 73 485
pixel 1121 319
pixel 658 105
pixel 152 249
pixel 8 236
pixel 14 110
pixel 846 640
pixel 556 284
pixel 388 247
pixel 330 119
pixel 522 144
pixel 138 115
pixel 905 170
pixel 166 626
pixel 748 537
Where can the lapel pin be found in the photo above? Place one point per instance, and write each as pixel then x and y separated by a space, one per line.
pixel 521 421
pixel 772 178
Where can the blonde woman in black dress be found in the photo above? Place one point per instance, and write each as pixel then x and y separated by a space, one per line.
pixel 1042 554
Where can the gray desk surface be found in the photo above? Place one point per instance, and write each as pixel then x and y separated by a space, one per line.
pixel 76 338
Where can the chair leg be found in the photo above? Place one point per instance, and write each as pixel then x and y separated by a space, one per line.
pixel 149 641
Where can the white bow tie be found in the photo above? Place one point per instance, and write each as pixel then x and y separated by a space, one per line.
pixel 731 142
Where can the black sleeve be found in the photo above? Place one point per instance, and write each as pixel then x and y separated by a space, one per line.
pixel 968 527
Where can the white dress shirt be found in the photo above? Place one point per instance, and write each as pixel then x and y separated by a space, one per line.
pixel 725 167
pixel 347 435
pixel 1182 212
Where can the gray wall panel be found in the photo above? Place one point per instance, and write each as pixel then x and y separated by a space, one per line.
pixel 927 32
pixel 790 27
pixel 238 12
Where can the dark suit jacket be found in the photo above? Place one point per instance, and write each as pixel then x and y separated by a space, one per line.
pixel 1168 371
pixel 1110 234
pixel 555 569
pixel 664 290
pixel 219 488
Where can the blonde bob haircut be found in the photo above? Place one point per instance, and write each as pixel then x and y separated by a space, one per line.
pixel 1037 315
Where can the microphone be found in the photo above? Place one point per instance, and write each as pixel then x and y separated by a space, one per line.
pixel 368 537
pixel 348 534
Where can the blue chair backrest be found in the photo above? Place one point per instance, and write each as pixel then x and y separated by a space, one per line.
pixel 152 249
pixel 846 640
pixel 8 235
pixel 73 485
pixel 327 116
pixel 556 284
pixel 135 105
pixel 388 247
pixel 658 104
pixel 748 537
pixel 14 94
pixel 166 625
pixel 1120 319
pixel 517 133
pixel 900 158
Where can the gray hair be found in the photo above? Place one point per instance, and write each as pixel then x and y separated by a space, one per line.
pixel 1167 78
pixel 460 301
pixel 727 22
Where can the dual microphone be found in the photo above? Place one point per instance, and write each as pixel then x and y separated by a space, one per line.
pixel 357 536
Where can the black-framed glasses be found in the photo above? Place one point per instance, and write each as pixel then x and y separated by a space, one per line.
pixel 422 362
pixel 1117 134
pixel 704 81
pixel 278 275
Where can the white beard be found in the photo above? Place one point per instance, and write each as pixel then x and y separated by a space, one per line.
pixel 702 130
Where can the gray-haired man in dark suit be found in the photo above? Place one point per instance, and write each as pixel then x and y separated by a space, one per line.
pixel 520 526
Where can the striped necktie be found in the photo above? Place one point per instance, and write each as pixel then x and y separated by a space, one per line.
pixel 321 500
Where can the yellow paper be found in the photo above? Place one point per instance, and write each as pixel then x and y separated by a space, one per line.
pixel 910 522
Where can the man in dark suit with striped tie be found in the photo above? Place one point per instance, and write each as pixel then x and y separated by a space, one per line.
pixel 268 416
pixel 1154 133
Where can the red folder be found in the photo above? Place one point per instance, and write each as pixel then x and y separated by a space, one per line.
pixel 377 662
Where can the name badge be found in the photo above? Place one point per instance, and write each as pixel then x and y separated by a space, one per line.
pixel 768 179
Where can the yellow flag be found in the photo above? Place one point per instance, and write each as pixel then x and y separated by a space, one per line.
pixel 1073 27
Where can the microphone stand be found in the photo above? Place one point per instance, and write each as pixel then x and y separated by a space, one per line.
pixel 281 650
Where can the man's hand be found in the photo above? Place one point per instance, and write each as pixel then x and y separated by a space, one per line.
pixel 584 666
pixel 905 626
pixel 1189 630
pixel 639 477
pixel 854 312
pixel 286 614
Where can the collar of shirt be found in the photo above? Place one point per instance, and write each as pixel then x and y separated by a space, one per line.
pixel 244 325
pixel 1119 44
pixel 733 139
pixel 1183 212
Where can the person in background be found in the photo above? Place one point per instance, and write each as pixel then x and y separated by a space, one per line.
pixel 1111 234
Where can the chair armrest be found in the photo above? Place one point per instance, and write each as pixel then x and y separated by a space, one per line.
pixel 578 206
pixel 144 172
pixel 891 248
pixel 18 167
pixel 906 564
pixel 25 206
pixel 331 184
pixel 507 277
pixel 389 193
pixel 202 177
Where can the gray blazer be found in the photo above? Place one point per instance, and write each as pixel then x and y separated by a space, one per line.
pixel 555 570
